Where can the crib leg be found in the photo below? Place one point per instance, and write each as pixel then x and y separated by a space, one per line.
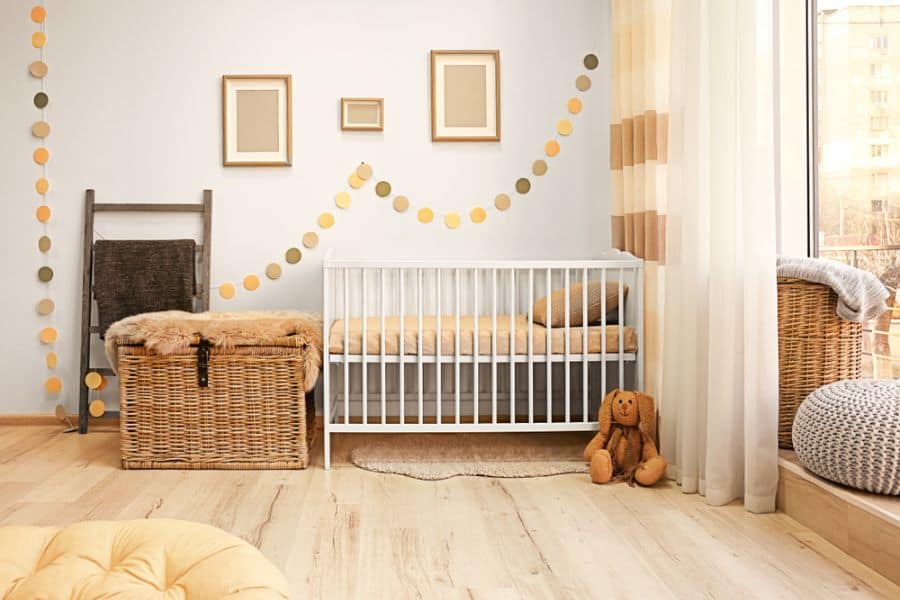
pixel 327 448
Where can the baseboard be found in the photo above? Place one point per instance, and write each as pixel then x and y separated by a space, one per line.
pixel 865 526
pixel 51 419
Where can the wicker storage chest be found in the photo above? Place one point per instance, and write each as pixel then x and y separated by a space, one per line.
pixel 242 407
pixel 815 347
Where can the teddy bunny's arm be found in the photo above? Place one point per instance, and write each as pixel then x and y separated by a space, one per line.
pixel 605 418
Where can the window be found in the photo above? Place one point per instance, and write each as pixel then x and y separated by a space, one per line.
pixel 855 215
pixel 879 150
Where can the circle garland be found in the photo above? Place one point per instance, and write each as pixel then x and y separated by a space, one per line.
pixel 401 204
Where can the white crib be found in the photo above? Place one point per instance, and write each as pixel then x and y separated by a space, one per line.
pixel 431 355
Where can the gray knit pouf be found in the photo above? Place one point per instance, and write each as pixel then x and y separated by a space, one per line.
pixel 849 432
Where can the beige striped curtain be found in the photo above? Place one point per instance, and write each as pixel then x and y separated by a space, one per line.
pixel 638 154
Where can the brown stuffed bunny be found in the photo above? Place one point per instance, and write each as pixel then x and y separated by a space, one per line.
pixel 624 447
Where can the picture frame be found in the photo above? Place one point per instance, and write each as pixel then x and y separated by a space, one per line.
pixel 256 121
pixel 362 114
pixel 465 95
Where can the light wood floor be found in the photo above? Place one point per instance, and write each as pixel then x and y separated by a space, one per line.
pixel 350 533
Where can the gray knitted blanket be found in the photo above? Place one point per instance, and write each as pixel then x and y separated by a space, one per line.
pixel 861 296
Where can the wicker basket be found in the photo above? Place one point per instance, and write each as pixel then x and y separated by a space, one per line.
pixel 815 347
pixel 254 413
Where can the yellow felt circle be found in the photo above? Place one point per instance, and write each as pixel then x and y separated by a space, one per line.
pixel 48 335
pixel 42 213
pixel 310 239
pixel 326 220
pixel 52 360
pixel 401 204
pixel 502 202
pixel 342 200
pixel 38 14
pixel 41 155
pixel 41 185
pixel 44 244
pixel 251 282
pixel 355 181
pixel 539 167
pixel 38 39
pixel 551 148
pixel 93 380
pixel 383 188
pixel 574 106
pixel 523 185
pixel 45 307
pixel 452 220
pixel 273 271
pixel 564 127
pixel 45 274
pixel 97 408
pixel 364 171
pixel 293 256
pixel 226 291
pixel 40 129
pixel 478 215
pixel 53 385
pixel 38 69
pixel 425 215
pixel 591 61
pixel 583 83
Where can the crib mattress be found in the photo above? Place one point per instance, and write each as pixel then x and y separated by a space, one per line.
pixel 467 334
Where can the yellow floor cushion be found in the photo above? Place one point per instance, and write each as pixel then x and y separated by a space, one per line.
pixel 152 558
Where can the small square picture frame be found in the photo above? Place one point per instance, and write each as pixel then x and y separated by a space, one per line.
pixel 362 114
pixel 256 121
pixel 465 95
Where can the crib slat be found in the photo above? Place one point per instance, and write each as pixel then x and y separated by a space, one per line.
pixel 531 345
pixel 382 348
pixel 493 345
pixel 639 324
pixel 401 384
pixel 568 367
pixel 421 304
pixel 548 349
pixel 475 343
pixel 364 367
pixel 326 364
pixel 621 330
pixel 346 347
pixel 437 348
pixel 603 364
pixel 584 345
pixel 456 350
pixel 512 346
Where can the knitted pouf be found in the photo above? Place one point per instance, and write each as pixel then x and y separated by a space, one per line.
pixel 849 432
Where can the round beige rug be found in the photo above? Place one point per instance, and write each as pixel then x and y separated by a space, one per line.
pixel 440 456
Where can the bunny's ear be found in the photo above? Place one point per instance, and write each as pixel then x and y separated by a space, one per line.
pixel 605 414
pixel 647 412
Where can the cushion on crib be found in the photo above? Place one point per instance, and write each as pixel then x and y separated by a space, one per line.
pixel 576 309
pixel 849 432
pixel 595 336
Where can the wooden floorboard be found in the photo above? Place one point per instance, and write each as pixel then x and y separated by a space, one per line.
pixel 349 533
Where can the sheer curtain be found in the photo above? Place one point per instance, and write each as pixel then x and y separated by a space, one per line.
pixel 720 359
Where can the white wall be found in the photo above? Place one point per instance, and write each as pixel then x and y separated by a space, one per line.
pixel 135 109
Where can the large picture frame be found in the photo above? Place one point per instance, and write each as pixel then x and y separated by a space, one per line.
pixel 465 95
pixel 256 120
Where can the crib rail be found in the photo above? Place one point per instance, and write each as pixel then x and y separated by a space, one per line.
pixel 435 375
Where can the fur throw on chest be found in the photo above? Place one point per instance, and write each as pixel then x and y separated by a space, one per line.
pixel 174 331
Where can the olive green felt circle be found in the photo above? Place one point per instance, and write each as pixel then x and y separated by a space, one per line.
pixel 383 188
pixel 44 244
pixel 41 99
pixel 45 274
pixel 523 186
pixel 293 256
pixel 591 62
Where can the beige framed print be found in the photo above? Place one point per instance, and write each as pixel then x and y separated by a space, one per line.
pixel 256 120
pixel 362 114
pixel 465 95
